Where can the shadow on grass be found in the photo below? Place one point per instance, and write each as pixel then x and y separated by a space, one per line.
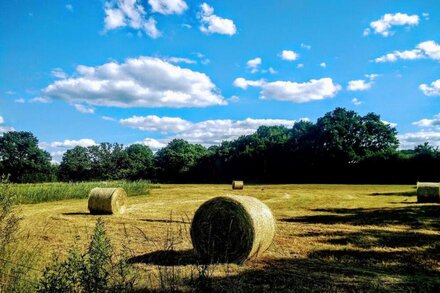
pixel 407 193
pixel 167 258
pixel 426 216
pixel 78 214
pixel 165 221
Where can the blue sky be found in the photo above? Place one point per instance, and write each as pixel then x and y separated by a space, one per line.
pixel 84 72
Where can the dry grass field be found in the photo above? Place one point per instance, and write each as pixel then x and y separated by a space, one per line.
pixel 329 238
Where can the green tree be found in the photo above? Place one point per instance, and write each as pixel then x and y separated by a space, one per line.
pixel 22 159
pixel 76 165
pixel 139 162
pixel 174 162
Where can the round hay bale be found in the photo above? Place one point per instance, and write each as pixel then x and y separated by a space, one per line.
pixel 237 184
pixel 232 228
pixel 107 200
pixel 428 192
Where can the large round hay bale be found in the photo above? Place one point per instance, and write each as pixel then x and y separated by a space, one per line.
pixel 237 184
pixel 232 228
pixel 428 192
pixel 107 200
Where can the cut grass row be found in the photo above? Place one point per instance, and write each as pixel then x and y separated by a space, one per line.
pixel 45 192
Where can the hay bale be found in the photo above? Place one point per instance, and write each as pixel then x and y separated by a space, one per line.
pixel 428 192
pixel 232 228
pixel 237 184
pixel 107 200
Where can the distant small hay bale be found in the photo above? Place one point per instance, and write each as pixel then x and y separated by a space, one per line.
pixel 107 201
pixel 232 228
pixel 237 184
pixel 428 192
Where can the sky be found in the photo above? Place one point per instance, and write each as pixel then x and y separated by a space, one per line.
pixel 147 71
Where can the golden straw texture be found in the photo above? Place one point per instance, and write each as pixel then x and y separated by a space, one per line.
pixel 237 184
pixel 232 228
pixel 107 200
pixel 428 192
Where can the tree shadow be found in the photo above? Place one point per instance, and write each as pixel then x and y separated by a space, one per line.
pixel 407 193
pixel 165 221
pixel 167 258
pixel 77 214
pixel 425 216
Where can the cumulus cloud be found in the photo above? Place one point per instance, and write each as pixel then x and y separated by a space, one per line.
pixel 108 118
pixel 429 123
pixel 41 100
pixel 84 109
pixel 305 46
pixel 20 101
pixel 244 83
pixel 358 85
pixel 289 55
pixel 428 49
pixel 253 64
pixel 129 13
pixel 154 144
pixel 383 25
pixel 213 24
pixel 180 60
pixel 413 139
pixel 155 123
pixel 292 91
pixel 168 6
pixel 58 73
pixel 208 132
pixel 391 124
pixel 315 89
pixel 84 142
pixel 138 82
pixel 356 101
pixel 300 66
pixel 323 64
pixel 431 90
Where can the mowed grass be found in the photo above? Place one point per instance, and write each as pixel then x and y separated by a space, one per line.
pixel 329 238
pixel 43 192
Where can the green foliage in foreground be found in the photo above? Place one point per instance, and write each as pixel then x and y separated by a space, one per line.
pixel 43 192
pixel 94 271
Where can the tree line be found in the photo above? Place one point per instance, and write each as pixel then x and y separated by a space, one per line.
pixel 341 147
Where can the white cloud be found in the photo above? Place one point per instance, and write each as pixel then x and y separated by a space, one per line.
pixel 84 109
pixel 84 142
pixel 429 123
pixel 207 132
pixel 305 46
pixel 154 144
pixel 323 65
pixel 431 90
pixel 272 71
pixel 131 13
pixel 42 100
pixel 391 124
pixel 20 101
pixel 356 101
pixel 300 66
pixel 358 85
pixel 300 92
pixel 425 15
pixel 289 55
pixel 168 6
pixel 212 23
pixel 138 82
pixel 2 120
pixel 10 93
pixel 69 7
pixel 428 49
pixel 108 118
pixel 155 123
pixel 253 64
pixel 244 83
pixel 180 60
pixel 234 99
pixel 413 139
pixel 58 73
pixel 387 21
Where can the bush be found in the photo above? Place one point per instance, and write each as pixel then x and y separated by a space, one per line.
pixel 93 271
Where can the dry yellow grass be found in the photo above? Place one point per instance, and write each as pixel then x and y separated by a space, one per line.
pixel 329 237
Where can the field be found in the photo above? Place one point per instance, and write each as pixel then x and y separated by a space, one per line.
pixel 329 238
